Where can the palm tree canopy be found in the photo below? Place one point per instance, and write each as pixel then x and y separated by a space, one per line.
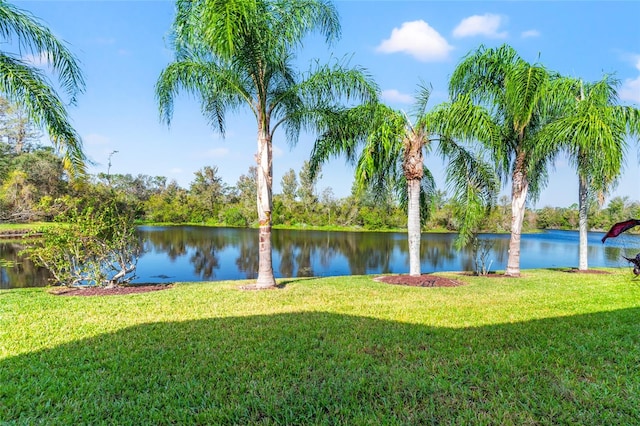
pixel 518 96
pixel 378 140
pixel 234 28
pixel 233 53
pixel 24 84
pixel 593 129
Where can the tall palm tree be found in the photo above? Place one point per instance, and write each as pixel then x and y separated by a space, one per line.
pixel 232 53
pixel 387 148
pixel 26 85
pixel 520 99
pixel 592 129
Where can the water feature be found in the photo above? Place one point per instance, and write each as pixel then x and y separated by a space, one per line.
pixel 190 253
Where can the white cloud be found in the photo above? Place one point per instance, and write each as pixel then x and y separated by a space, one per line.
pixel 417 39
pixel 530 33
pixel 630 90
pixel 41 60
pixel 392 95
pixel 217 153
pixel 484 25
pixel 277 151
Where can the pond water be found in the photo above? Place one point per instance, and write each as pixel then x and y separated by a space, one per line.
pixel 190 253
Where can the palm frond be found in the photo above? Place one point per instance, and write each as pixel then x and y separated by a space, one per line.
pixel 27 86
pixel 35 38
pixel 218 88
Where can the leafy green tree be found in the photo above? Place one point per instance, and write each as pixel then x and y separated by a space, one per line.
pixel 241 52
pixel 247 191
pixel 96 245
pixel 25 85
pixel 289 185
pixel 307 188
pixel 518 95
pixel 593 129
pixel 17 197
pixel 209 190
pixel 169 206
pixel 16 128
pixel 44 171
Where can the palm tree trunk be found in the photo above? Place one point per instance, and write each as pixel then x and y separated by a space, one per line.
pixel 413 226
pixel 582 213
pixel 519 189
pixel 265 203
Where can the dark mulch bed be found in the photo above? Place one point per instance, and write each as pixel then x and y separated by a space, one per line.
pixel 424 280
pixel 588 271
pixel 110 291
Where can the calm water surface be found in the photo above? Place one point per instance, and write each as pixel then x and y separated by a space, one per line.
pixel 188 253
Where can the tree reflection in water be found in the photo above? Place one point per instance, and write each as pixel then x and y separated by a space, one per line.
pixel 17 272
pixel 193 253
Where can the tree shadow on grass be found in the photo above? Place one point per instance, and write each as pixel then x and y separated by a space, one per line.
pixel 324 368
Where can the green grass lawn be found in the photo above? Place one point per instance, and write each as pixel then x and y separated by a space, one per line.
pixel 549 348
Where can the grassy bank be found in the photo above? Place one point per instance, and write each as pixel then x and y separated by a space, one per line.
pixel 549 348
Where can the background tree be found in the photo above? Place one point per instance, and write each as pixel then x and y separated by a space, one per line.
pixel 592 129
pixel 209 190
pixel 241 52
pixel 25 85
pixel 307 188
pixel 16 128
pixel 247 193
pixel 289 185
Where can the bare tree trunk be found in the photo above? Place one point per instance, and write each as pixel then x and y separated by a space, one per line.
pixel 413 168
pixel 582 213
pixel 264 202
pixel 519 189
pixel 413 226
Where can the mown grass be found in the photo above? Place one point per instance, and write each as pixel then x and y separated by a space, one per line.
pixel 549 348
pixel 23 226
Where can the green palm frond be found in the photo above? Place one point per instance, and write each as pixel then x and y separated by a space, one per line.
pixel 218 88
pixel 422 99
pixel 35 38
pixel 482 73
pixel 473 185
pixel 28 86
pixel 525 86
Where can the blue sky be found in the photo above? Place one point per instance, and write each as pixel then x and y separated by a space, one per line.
pixel 122 49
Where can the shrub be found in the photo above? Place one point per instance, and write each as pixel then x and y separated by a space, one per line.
pixel 96 246
pixel 234 217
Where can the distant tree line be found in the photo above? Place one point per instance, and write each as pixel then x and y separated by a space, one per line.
pixel 34 187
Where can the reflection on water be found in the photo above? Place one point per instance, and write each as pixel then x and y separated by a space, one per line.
pixel 17 272
pixel 188 253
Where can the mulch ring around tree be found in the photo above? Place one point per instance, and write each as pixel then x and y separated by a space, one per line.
pixel 109 291
pixel 587 271
pixel 424 280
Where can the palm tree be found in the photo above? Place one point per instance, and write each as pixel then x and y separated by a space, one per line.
pixel 520 99
pixel 387 148
pixel 232 53
pixel 592 130
pixel 26 85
